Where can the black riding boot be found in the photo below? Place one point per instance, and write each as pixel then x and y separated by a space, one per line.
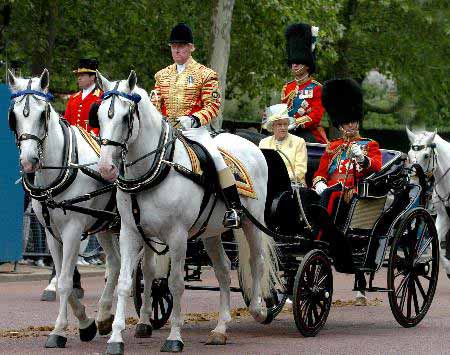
pixel 233 215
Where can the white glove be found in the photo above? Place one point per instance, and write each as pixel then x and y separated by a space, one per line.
pixel 320 187
pixel 357 153
pixel 187 122
pixel 292 126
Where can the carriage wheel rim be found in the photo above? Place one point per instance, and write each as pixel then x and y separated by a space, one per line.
pixel 412 274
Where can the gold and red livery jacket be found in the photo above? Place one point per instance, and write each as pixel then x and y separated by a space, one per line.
pixel 193 92
pixel 77 110
pixel 335 162
pixel 305 106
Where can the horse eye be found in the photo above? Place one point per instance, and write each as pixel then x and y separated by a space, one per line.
pixel 427 156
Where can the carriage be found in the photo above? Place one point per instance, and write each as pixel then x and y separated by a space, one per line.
pixel 386 226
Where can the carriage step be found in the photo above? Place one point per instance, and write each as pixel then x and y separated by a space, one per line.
pixel 375 289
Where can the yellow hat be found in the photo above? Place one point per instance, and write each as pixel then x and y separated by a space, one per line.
pixel 274 113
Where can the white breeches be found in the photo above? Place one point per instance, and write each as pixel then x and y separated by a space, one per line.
pixel 202 136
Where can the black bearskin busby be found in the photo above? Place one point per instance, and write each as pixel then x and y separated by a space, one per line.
pixel 181 33
pixel 343 101
pixel 299 46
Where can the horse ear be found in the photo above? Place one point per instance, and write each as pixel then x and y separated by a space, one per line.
pixel 12 81
pixel 102 82
pixel 431 138
pixel 411 136
pixel 132 80
pixel 44 80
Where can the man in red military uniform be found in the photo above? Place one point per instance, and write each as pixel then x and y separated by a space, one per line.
pixel 79 104
pixel 344 162
pixel 303 94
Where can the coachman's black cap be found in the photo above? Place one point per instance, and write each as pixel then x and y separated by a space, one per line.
pixel 181 33
pixel 88 66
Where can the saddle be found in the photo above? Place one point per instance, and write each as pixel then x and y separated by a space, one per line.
pixel 204 171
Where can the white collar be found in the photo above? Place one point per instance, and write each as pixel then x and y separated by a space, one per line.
pixel 180 68
pixel 87 91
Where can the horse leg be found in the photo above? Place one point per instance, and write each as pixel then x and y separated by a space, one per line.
pixel 257 309
pixel 442 227
pixel 87 326
pixel 104 316
pixel 177 249
pixel 130 243
pixel 144 327
pixel 222 267
pixel 56 338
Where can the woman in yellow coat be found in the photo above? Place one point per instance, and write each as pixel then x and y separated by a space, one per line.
pixel 292 148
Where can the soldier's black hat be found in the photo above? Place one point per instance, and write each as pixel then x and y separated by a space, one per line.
pixel 299 46
pixel 181 33
pixel 343 101
pixel 88 66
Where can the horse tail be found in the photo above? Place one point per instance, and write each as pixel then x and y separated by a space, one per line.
pixel 271 278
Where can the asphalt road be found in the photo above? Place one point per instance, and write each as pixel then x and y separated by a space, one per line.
pixel 25 323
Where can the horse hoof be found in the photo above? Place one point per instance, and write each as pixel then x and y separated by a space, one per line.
pixel 215 338
pixel 105 326
pixel 172 346
pixel 55 341
pixel 448 275
pixel 48 296
pixel 78 292
pixel 115 349
pixel 269 318
pixel 89 333
pixel 143 331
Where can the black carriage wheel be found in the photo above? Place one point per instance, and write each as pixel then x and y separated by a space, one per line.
pixel 162 301
pixel 413 267
pixel 313 291
pixel 274 303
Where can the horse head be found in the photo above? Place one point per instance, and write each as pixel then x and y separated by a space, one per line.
pixel 28 117
pixel 116 117
pixel 422 149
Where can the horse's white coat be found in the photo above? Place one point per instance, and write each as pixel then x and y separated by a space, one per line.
pixel 440 170
pixel 70 225
pixel 169 209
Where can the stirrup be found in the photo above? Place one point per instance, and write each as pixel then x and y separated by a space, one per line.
pixel 232 218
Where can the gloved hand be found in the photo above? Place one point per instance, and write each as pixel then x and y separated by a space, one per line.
pixel 320 187
pixel 357 153
pixel 188 122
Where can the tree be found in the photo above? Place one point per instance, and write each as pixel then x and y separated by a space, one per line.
pixel 220 46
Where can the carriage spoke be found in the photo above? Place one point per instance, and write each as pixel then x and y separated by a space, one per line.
pixel 320 282
pixel 310 315
pixel 403 298
pixel 408 302
pixel 316 314
pixel 316 273
pixel 420 287
pixel 402 285
pixel 423 249
pixel 414 295
pixel 427 277
pixel 399 273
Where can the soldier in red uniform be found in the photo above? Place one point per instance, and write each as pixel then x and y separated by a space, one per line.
pixel 303 94
pixel 344 162
pixel 79 104
pixel 351 157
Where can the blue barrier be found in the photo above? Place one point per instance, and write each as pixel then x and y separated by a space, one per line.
pixel 11 196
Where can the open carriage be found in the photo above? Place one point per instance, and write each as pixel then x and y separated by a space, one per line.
pixel 386 225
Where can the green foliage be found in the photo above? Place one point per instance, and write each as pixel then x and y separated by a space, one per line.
pixel 407 39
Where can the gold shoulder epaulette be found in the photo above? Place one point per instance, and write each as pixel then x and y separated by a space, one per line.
pixel 316 82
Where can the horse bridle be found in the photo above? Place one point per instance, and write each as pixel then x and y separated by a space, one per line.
pixel 418 147
pixel 134 98
pixel 47 97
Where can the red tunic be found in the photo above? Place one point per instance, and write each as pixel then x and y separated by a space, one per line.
pixel 305 105
pixel 335 163
pixel 77 110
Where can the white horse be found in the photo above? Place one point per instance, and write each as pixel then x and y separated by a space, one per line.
pixel 128 119
pixel 432 153
pixel 44 140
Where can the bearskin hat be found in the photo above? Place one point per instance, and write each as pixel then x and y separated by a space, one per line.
pixel 343 101
pixel 300 45
pixel 181 33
